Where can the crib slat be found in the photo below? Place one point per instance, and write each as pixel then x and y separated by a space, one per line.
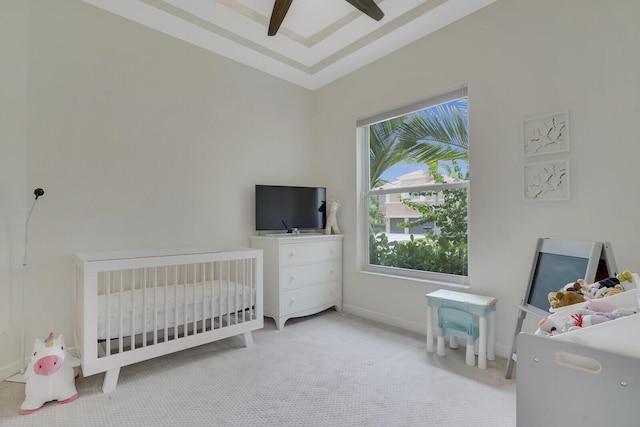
pixel 108 323
pixel 244 290
pixel 184 309
pixel 219 294
pixel 245 312
pixel 133 310
pixel 166 315
pixel 144 308
pixel 235 292
pixel 175 303
pixel 203 279
pixel 194 318
pixel 120 316
pixel 229 295
pixel 213 294
pixel 155 305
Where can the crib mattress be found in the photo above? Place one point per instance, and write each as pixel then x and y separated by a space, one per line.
pixel 170 306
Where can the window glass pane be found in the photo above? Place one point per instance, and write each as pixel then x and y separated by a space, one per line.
pixel 418 168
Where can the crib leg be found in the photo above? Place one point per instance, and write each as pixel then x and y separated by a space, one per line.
pixel 110 380
pixel 248 339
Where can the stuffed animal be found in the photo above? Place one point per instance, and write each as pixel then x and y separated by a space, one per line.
pixel 49 376
pixel 547 327
pixel 580 291
pixel 608 292
pixel 604 287
pixel 332 221
pixel 579 286
pixel 597 305
pixel 563 299
pixel 583 320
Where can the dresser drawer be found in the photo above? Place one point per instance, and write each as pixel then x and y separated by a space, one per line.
pixel 301 253
pixel 310 274
pixel 311 296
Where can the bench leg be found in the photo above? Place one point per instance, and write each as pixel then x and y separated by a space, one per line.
pixel 482 344
pixel 471 355
pixel 453 342
pixel 110 380
pixel 440 346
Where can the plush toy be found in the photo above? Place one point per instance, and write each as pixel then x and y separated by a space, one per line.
pixel 597 305
pixel 563 299
pixel 49 376
pixel 332 222
pixel 608 292
pixel 583 320
pixel 580 291
pixel 579 286
pixel 547 327
pixel 604 287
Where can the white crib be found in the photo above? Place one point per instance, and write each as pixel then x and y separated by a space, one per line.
pixel 132 306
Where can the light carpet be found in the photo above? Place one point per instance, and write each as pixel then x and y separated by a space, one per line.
pixel 324 370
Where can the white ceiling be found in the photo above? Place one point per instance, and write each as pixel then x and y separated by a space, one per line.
pixel 318 42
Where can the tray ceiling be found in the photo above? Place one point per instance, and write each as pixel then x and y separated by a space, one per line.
pixel 318 42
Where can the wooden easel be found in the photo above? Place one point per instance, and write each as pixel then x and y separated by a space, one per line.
pixel 556 263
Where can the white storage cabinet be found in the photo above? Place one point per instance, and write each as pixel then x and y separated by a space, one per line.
pixel 302 274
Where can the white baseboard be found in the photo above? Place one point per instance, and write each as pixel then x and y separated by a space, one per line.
pixel 419 328
pixel 10 370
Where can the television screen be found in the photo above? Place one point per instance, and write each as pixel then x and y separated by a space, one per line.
pixel 282 208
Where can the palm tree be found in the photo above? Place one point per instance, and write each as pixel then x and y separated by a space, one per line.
pixel 384 151
pixel 437 133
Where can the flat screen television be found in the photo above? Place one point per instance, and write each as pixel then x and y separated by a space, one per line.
pixel 281 207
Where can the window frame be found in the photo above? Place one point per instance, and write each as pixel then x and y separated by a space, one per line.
pixel 362 137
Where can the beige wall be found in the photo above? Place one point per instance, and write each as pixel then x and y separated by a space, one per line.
pixel 140 140
pixel 519 59
pixel 13 143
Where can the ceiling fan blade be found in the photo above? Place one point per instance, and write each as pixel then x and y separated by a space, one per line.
pixel 280 9
pixel 368 7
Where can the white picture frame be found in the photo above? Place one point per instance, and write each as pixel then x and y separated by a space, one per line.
pixel 547 181
pixel 546 134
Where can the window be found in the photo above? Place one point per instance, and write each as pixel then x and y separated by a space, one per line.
pixel 414 186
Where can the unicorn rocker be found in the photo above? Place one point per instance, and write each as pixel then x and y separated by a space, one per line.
pixel 49 376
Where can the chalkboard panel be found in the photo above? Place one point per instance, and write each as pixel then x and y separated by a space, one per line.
pixel 558 262
pixel 553 271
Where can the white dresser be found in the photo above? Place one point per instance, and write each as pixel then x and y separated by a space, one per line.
pixel 302 274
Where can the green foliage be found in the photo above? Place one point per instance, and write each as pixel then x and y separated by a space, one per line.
pixel 376 217
pixel 442 250
pixel 420 254
pixel 384 149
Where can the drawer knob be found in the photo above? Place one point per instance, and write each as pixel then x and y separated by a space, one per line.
pixel 291 278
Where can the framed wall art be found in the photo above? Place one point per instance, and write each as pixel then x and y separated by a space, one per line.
pixel 546 181
pixel 546 134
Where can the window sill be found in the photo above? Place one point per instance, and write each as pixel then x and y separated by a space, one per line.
pixel 458 282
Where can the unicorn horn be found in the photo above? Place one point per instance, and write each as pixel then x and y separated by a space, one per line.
pixel 49 340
